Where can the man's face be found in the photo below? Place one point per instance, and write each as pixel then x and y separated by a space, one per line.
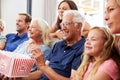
pixel 68 28
pixel 21 25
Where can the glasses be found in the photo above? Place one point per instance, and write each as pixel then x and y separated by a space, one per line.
pixel 66 23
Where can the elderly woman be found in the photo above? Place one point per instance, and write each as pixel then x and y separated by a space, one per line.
pixel 39 37
pixel 38 34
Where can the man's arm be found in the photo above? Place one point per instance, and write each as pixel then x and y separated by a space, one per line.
pixel 51 74
pixel 44 68
pixel 33 75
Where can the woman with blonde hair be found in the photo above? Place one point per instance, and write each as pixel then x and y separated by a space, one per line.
pixel 98 61
pixel 39 37
pixel 38 34
pixel 112 17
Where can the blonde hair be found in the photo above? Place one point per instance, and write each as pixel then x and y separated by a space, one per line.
pixel 44 27
pixel 118 2
pixel 1 24
pixel 104 55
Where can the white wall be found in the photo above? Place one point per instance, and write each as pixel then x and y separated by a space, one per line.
pixel 50 8
pixel 37 8
pixel 9 11
pixel 40 9
pixel 45 9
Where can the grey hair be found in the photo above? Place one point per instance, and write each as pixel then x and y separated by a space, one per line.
pixel 44 27
pixel 78 18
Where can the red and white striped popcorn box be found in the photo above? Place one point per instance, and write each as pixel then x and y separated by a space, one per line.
pixel 14 64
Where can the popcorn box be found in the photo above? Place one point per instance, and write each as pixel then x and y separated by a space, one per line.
pixel 14 64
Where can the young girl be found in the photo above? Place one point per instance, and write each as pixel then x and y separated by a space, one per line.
pixel 99 63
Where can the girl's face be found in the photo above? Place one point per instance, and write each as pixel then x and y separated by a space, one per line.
pixel 112 16
pixel 63 6
pixel 94 43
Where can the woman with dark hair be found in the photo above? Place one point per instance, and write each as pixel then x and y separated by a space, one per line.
pixel 55 30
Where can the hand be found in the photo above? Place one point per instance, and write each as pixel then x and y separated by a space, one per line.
pixel 39 56
pixel 59 34
pixel 3 77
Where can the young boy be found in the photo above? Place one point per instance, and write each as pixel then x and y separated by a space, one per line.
pixel 2 37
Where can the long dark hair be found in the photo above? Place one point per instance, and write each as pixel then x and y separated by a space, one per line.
pixel 72 6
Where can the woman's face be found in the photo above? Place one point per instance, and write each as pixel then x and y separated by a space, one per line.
pixel 34 30
pixel 94 43
pixel 63 6
pixel 112 16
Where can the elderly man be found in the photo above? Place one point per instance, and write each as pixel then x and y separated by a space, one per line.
pixel 65 56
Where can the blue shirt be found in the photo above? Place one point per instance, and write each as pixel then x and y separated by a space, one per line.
pixel 23 49
pixel 13 40
pixel 64 58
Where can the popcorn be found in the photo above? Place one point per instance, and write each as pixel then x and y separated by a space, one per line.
pixel 14 64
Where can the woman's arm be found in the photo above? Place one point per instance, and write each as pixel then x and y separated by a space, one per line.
pixel 55 32
pixel 101 76
pixel 36 75
pixel 86 29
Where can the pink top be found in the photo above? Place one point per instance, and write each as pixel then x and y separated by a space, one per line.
pixel 109 67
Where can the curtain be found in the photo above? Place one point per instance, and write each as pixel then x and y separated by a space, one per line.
pixel 50 7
